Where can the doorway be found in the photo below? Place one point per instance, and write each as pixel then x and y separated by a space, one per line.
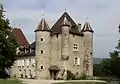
pixel 54 71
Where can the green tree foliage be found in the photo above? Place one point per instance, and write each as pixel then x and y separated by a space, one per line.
pixel 111 66
pixel 8 43
pixel 97 70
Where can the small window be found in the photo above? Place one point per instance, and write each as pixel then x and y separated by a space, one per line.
pixel 90 53
pixel 75 47
pixel 41 51
pixel 41 67
pixel 41 39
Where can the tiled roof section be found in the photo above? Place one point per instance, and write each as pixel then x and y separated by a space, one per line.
pixel 87 27
pixel 21 39
pixel 43 26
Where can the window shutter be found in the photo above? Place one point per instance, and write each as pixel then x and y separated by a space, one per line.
pixel 78 61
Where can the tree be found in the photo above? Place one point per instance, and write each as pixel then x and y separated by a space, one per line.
pixel 8 44
pixel 111 66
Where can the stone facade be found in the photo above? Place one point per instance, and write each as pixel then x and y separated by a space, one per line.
pixel 65 46
pixel 24 67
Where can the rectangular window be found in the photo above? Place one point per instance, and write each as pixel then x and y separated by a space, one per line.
pixel 23 63
pixel 27 62
pixel 75 47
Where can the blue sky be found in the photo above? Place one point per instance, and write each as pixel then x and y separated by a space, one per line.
pixel 103 15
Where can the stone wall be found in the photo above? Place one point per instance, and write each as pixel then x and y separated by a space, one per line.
pixel 24 67
pixel 76 53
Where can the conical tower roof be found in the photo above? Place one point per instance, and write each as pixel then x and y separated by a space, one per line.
pixel 43 26
pixel 87 27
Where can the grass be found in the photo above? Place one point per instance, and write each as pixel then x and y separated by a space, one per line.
pixel 77 83
pixel 82 82
pixel 10 81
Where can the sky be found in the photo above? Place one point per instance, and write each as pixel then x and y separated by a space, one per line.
pixel 103 15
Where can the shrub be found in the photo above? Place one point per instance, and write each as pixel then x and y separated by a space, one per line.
pixel 70 75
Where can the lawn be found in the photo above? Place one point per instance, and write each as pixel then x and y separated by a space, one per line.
pixel 9 81
pixel 82 82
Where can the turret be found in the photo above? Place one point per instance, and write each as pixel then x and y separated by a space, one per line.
pixel 42 53
pixel 88 43
pixel 65 38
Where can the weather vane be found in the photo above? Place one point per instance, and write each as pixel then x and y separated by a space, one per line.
pixel 86 18
pixel 65 9
pixel 43 15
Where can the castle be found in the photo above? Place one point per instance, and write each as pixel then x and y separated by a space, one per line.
pixel 64 47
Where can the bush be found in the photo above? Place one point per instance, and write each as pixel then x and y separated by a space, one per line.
pixel 81 77
pixel 4 74
pixel 71 76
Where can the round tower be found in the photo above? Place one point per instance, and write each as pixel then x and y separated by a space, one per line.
pixel 42 51
pixel 88 44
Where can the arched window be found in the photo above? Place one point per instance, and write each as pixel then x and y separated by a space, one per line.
pixel 76 61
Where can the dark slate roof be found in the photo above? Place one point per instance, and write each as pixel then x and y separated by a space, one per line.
pixel 32 53
pixel 21 39
pixel 32 45
pixel 43 26
pixel 57 26
pixel 87 27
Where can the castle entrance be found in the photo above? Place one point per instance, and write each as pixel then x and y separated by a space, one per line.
pixel 54 71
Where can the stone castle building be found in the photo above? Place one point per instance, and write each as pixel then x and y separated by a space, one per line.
pixel 64 47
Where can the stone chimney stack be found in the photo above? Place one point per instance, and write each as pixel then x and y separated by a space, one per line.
pixel 79 27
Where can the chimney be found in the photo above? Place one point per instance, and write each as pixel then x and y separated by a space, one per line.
pixel 79 27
